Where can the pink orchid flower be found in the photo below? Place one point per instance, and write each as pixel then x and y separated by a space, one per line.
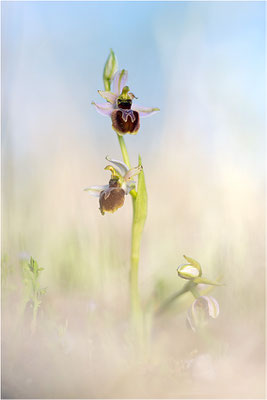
pixel 124 114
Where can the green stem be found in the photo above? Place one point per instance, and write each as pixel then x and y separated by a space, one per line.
pixel 195 292
pixel 34 314
pixel 126 160
pixel 135 253
pixel 124 151
pixel 187 287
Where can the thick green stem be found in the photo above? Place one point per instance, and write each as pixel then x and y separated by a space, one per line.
pixel 126 160
pixel 135 253
pixel 124 151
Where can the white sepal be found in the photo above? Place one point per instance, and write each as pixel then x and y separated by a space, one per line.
pixel 96 190
pixel 144 111
pixel 123 167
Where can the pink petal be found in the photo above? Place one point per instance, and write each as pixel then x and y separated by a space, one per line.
pixel 214 308
pixel 133 172
pixel 144 111
pixel 120 79
pixel 104 109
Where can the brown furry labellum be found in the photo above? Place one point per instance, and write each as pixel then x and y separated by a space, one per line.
pixel 125 120
pixel 112 198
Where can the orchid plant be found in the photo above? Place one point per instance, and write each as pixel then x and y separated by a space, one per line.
pixel 204 307
pixel 125 119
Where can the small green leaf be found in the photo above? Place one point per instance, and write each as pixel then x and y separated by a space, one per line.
pixel 207 282
pixel 32 290
pixel 140 213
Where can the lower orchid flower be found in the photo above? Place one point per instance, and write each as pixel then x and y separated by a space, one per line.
pixel 202 309
pixel 124 115
pixel 112 196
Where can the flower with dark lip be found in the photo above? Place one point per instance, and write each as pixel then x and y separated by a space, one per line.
pixel 124 114
pixel 112 196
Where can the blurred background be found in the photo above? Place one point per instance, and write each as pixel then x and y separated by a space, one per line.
pixel 203 65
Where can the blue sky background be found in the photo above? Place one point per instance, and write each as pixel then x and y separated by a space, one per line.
pixel 202 63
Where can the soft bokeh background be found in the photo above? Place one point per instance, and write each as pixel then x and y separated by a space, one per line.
pixel 203 64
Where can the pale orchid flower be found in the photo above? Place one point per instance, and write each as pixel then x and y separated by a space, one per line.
pixel 202 309
pixel 125 116
pixel 111 196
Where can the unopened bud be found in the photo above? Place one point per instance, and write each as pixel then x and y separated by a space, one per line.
pixel 188 271
pixel 110 69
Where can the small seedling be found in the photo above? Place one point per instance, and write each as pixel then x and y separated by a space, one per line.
pixel 32 290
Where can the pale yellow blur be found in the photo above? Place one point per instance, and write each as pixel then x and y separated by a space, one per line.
pixel 82 348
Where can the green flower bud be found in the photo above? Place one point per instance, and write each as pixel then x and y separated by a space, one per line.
pixel 110 69
pixel 188 271
pixel 194 263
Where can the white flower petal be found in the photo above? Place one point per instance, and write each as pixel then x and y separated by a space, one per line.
pixel 120 79
pixel 123 167
pixel 133 172
pixel 96 190
pixel 109 96
pixel 198 310
pixel 213 305
pixel 144 111
pixel 190 321
pixel 104 109
pixel 212 309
